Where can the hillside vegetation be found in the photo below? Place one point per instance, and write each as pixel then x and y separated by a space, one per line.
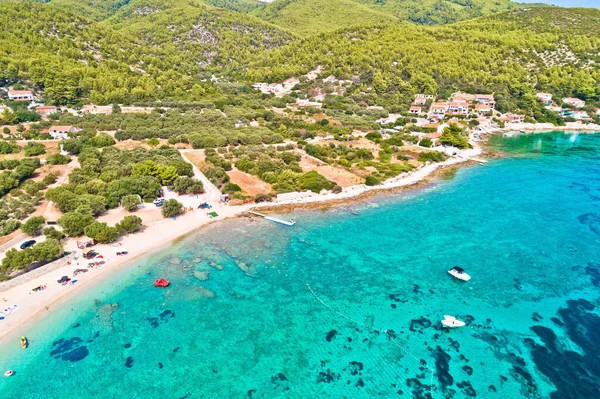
pixel 434 12
pixel 147 50
pixel 309 17
pixel 544 48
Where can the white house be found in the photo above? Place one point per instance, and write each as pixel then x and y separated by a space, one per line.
pixel 45 110
pixel 575 102
pixel 485 99
pixel 544 97
pixel 580 115
pixel 458 107
pixel 97 109
pixel 513 118
pixel 20 95
pixel 415 109
pixel 62 132
pixel 421 99
pixel 438 111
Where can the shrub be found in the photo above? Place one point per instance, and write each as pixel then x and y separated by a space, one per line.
pixel 33 227
pixel 33 149
pixel 433 156
pixel 73 146
pixel 58 159
pixel 262 198
pixel 102 140
pixel 8 148
pixel 9 226
pixel 129 224
pixel 374 136
pixel 314 182
pixel 153 142
pixel 51 232
pixel 172 208
pixel 426 142
pixel 372 180
pixel 231 188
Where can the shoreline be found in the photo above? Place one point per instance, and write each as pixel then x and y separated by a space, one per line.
pixel 159 235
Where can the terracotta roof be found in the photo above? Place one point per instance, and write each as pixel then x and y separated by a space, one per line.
pixel 19 92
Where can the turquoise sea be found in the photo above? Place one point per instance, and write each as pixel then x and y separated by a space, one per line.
pixel 349 306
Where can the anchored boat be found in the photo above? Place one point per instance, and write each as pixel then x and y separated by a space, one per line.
pixel 452 322
pixel 459 273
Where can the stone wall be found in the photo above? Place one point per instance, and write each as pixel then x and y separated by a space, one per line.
pixel 40 271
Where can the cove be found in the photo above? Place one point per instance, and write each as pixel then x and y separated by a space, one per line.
pixel 345 305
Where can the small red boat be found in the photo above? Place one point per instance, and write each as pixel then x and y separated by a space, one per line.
pixel 161 282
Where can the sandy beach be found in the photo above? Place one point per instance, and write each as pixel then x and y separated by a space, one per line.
pixel 162 232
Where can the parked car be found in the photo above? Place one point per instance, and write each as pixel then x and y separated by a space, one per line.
pixel 159 201
pixel 27 244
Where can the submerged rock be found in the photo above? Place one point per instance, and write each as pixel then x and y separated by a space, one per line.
pixel 202 276
pixel 215 265
pixel 174 261
pixel 206 292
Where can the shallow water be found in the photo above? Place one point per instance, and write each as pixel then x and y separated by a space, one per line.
pixel 349 306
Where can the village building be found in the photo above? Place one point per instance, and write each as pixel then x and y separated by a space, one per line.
pixel 458 106
pixel 544 97
pixel 136 110
pixel 553 108
pixel 62 132
pixel 20 95
pixel 45 110
pixel 487 99
pixel 483 109
pixel 512 118
pixel 598 112
pixel 415 109
pixel 438 111
pixel 421 99
pixel 580 115
pixel 92 109
pixel 574 102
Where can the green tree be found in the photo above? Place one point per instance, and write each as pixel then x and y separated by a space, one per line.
pixel 74 223
pixel 16 260
pixel 188 185
pixel 33 226
pixel 58 159
pixel 130 202
pixel 153 142
pixel 72 146
pixel 47 250
pixel 172 208
pixel 9 226
pixel 129 224
pixel 455 136
pixel 33 149
pixel 102 140
pixel 101 232
pixel 51 232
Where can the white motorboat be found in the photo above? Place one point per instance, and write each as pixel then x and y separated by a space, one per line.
pixel 459 273
pixel 452 322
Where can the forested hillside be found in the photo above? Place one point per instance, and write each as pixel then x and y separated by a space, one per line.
pixel 147 50
pixel 433 12
pixel 547 48
pixel 309 17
